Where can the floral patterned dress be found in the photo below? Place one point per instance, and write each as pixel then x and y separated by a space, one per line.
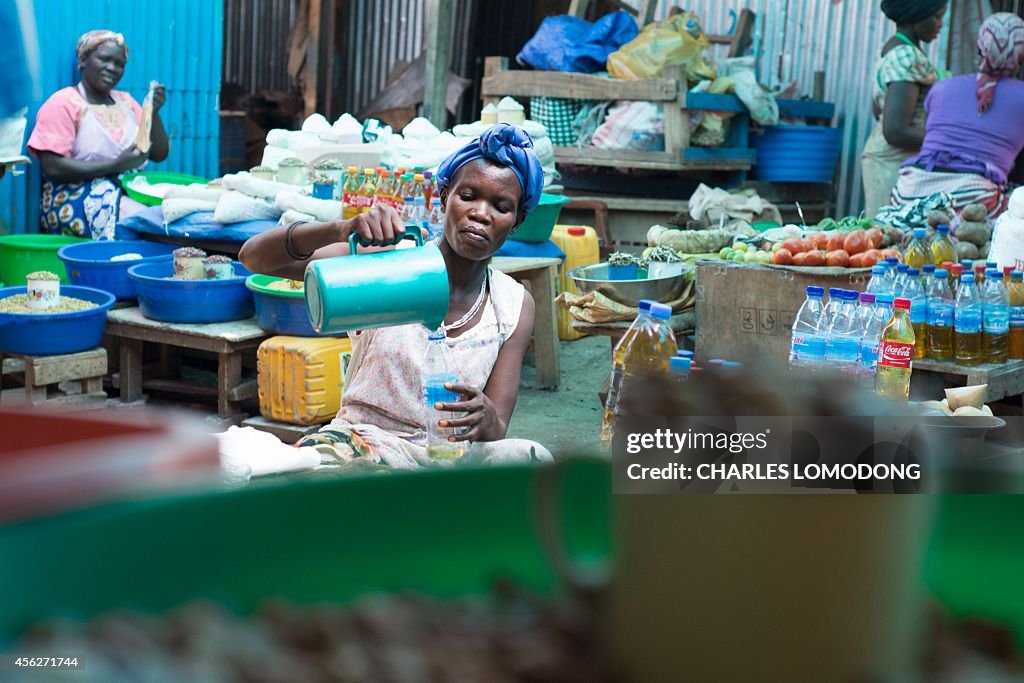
pixel 69 126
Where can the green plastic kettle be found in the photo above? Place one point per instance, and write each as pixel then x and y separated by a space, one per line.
pixel 379 289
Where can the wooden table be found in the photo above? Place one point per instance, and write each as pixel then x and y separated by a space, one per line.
pixel 540 274
pixel 1003 379
pixel 228 340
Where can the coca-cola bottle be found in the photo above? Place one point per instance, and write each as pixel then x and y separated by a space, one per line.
pixel 896 354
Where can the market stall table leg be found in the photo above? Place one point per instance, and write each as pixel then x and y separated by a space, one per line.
pixel 229 340
pixel 540 274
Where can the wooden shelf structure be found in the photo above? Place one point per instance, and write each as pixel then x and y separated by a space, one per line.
pixel 671 91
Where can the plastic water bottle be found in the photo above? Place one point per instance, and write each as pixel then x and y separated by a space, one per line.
pixel 918 310
pixel 995 338
pixel 872 322
pixel 940 317
pixel 927 276
pixel 436 218
pixel 865 313
pixel 901 280
pixel 967 322
pixel 438 370
pixel 835 296
pixel 420 215
pixel 406 213
pixel 842 345
pixel 890 264
pixel 807 344
pixel 879 282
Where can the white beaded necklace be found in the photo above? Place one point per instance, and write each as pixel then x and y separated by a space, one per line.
pixel 472 311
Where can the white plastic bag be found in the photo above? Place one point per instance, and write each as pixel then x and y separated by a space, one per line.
pixel 1008 237
pixel 630 125
pixel 235 207
pixel 173 208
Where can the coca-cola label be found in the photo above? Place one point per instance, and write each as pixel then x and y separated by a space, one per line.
pixel 895 354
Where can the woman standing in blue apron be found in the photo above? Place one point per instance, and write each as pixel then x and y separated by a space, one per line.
pixel 84 138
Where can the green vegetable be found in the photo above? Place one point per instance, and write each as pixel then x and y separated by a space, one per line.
pixel 828 224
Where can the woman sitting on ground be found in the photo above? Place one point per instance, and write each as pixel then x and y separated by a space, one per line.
pixel 487 188
pixel 975 134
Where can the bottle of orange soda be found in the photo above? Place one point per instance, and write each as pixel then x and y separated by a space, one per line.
pixel 367 191
pixel 896 354
pixel 350 194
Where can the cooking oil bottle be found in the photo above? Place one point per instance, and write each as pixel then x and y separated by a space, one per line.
pixel 995 319
pixel 1016 295
pixel 918 253
pixel 967 322
pixel 940 317
pixel 647 352
pixel 941 247
pixel 918 311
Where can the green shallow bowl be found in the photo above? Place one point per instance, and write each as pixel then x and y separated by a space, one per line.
pixel 156 177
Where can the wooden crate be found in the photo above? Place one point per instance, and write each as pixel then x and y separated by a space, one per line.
pixel 745 311
pixel 73 380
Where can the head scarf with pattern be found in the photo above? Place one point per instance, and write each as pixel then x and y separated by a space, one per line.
pixel 905 12
pixel 93 39
pixel 509 146
pixel 1001 52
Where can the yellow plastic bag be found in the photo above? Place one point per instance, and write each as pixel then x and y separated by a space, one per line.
pixel 676 40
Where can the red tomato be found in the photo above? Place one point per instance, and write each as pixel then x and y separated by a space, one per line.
pixel 856 243
pixel 835 241
pixel 818 240
pixel 783 257
pixel 838 259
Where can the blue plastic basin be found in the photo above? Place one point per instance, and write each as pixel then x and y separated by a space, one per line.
pixel 190 301
pixel 797 154
pixel 88 264
pixel 280 312
pixel 47 334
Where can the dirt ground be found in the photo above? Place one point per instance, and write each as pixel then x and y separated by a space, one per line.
pixel 567 420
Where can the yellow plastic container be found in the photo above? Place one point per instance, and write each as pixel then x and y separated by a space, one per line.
pixel 300 378
pixel 579 242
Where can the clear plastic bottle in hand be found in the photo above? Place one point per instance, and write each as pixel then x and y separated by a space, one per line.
pixel 439 370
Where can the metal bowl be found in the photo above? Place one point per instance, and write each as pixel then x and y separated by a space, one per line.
pixel 629 292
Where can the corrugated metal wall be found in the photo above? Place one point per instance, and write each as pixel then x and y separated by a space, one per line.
pixel 379 34
pixel 256 43
pixel 795 38
pixel 177 42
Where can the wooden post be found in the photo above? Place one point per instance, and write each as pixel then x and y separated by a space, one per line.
pixel 677 118
pixel 439 53
pixel 578 8
pixel 311 82
pixel 492 66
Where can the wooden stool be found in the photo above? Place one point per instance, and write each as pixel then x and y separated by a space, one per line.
pixel 81 375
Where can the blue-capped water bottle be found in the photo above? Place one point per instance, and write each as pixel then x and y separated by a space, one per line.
pixel 879 282
pixel 842 345
pixel 439 370
pixel 807 343
pixel 995 331
pixel 967 322
pixel 940 317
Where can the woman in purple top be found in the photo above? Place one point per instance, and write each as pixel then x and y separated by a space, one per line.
pixel 974 133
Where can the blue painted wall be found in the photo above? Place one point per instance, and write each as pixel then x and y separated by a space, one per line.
pixel 176 42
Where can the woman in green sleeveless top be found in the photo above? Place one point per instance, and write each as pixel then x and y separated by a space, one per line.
pixel 903 75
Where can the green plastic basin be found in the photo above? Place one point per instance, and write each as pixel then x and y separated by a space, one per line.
pixel 24 254
pixel 154 177
pixel 443 533
pixel 541 221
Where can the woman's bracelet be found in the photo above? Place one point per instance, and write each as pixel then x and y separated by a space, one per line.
pixel 288 244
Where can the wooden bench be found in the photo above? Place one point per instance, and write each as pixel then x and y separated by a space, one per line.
pixel 229 340
pixel 930 376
